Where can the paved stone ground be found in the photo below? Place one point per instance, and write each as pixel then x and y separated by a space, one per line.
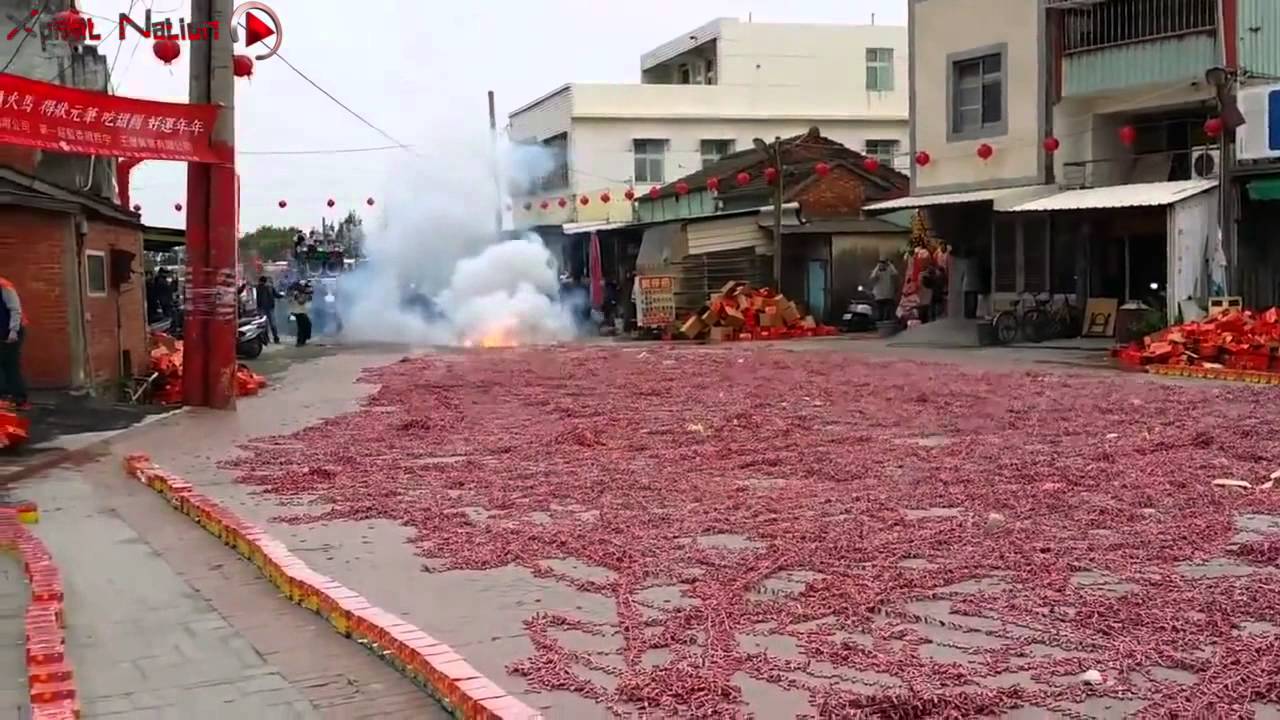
pixel 165 622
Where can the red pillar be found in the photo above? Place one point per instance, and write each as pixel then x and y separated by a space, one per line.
pixel 124 170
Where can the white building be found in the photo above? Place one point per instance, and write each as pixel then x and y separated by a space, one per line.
pixel 708 93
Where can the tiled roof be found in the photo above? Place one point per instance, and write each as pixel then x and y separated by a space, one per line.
pixel 800 154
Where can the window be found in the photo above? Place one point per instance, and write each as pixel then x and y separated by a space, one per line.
pixel 95 272
pixel 558 177
pixel 650 159
pixel 977 96
pixel 683 75
pixel 879 69
pixel 883 150
pixel 713 150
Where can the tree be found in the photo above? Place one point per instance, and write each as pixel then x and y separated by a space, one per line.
pixel 270 243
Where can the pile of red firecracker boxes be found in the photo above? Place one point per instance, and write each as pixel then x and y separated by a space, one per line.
pixel 13 427
pixel 427 661
pixel 740 312
pixel 1232 340
pixel 50 681
pixel 166 364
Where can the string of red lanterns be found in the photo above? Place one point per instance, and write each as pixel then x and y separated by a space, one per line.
pixel 242 66
pixel 166 50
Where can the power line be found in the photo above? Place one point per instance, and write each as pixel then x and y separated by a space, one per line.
pixel 25 35
pixel 336 151
pixel 344 106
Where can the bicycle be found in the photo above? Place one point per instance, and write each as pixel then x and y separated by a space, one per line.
pixel 1037 321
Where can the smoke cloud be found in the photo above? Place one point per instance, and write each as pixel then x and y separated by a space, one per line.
pixel 437 271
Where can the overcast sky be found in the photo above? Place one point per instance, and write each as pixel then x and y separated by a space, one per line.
pixel 418 70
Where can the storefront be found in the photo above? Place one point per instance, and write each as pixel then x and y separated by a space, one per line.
pixel 1257 190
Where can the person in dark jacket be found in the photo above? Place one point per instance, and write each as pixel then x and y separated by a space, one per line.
pixel 13 329
pixel 266 296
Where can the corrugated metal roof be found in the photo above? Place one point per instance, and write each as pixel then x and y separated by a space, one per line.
pixel 1118 196
pixel 1000 197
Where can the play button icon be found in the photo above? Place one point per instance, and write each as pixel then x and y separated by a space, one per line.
pixel 255 30
pixel 260 25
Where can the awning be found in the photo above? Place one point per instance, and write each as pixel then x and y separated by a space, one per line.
pixel 586 227
pixel 1264 189
pixel 1156 194
pixel 1000 198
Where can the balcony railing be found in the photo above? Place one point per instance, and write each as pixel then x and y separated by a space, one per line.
pixel 1097 24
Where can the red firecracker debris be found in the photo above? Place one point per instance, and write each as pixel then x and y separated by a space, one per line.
pixel 166 363
pixel 886 538
pixel 1235 340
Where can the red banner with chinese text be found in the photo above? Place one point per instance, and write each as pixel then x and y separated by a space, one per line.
pixel 71 120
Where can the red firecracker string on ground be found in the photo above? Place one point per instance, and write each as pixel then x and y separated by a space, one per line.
pixel 890 538
pixel 421 658
pixel 50 679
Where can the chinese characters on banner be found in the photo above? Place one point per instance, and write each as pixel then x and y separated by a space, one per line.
pixel 70 120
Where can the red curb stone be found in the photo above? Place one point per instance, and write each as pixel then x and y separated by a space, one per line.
pixel 413 652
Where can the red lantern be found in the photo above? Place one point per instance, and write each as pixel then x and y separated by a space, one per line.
pixel 654 192
pixel 562 202
pixel 630 194
pixel 331 203
pixel 743 178
pixel 1213 127
pixel 871 164
pixel 584 200
pixel 682 188
pixel 137 208
pixel 1128 135
pixel 713 184
pixel 544 204
pixel 242 66
pixel 1051 144
pixel 922 158
pixel 283 204
pixel 824 169
pixel 72 25
pixel 771 175
pixel 166 50
pixel 605 197
pixel 985 151
pixel 177 206
pixel 527 206
pixel 369 202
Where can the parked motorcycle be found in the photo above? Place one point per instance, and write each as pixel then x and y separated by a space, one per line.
pixel 251 336
pixel 860 315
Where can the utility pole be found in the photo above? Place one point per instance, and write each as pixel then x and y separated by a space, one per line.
pixel 773 154
pixel 212 211
pixel 777 216
pixel 497 172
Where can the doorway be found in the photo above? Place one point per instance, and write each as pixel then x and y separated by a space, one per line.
pixel 816 289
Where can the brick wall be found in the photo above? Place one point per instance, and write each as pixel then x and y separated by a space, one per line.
pixel 839 194
pixel 33 250
pixel 105 344
pixel 32 243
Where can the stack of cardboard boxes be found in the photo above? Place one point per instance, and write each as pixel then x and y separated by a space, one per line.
pixel 740 312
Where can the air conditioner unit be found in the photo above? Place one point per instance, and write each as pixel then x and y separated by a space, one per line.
pixel 1205 162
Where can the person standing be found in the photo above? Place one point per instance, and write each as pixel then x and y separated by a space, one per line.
pixel 267 296
pixel 299 299
pixel 13 326
pixel 883 279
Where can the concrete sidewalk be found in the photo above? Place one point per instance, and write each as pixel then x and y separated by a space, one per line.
pixel 165 622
